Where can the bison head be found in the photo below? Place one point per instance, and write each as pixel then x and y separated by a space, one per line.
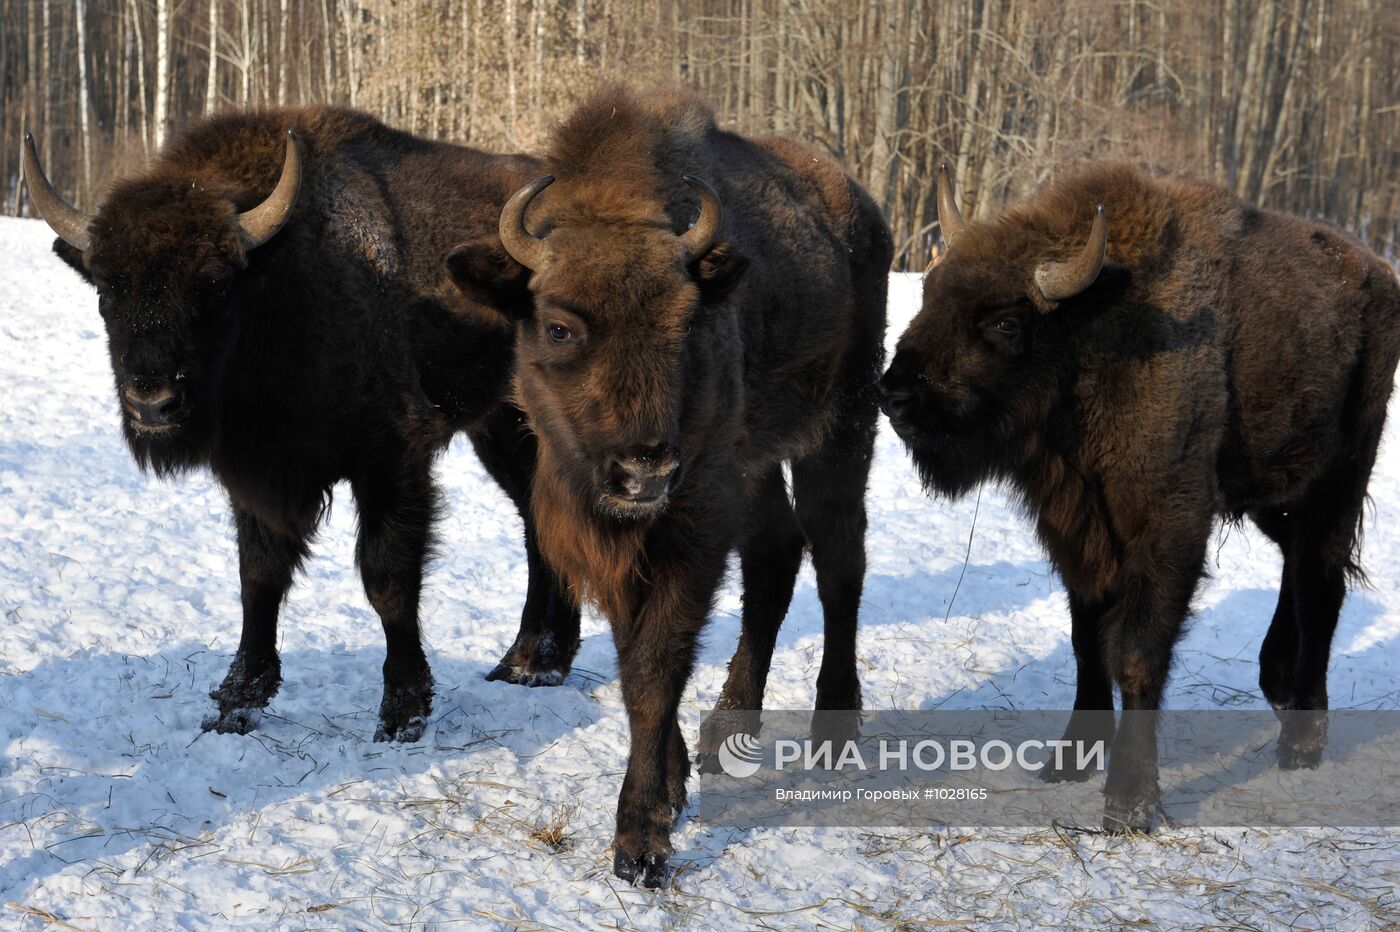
pixel 978 369
pixel 164 254
pixel 604 339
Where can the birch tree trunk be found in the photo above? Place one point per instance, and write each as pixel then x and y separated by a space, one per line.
pixel 84 131
pixel 282 56
pixel 162 104
pixel 211 85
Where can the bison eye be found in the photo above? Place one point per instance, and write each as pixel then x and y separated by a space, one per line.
pixel 559 333
pixel 1007 326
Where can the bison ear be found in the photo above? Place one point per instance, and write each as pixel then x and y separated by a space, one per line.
pixel 73 256
pixel 719 270
pixel 484 272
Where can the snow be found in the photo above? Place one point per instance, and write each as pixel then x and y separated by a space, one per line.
pixel 121 611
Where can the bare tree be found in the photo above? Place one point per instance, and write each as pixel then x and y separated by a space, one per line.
pixel 84 130
pixel 211 83
pixel 162 107
pixel 1293 103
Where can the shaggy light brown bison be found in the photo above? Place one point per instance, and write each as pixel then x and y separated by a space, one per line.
pixel 1136 357
pixel 701 309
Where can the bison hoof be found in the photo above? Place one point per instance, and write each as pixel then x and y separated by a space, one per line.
pixel 1302 738
pixel 234 721
pixel 722 724
pixel 534 661
pixel 521 676
pixel 1052 774
pixel 1130 816
pixel 409 732
pixel 707 762
pixel 649 871
pixel 403 716
pixel 248 687
pixel 836 727
pixel 1292 757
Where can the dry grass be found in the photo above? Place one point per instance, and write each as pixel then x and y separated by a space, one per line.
pixel 552 831
pixel 46 917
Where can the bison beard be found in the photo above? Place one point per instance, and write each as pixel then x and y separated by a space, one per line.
pixel 286 359
pixel 668 371
pixel 1219 361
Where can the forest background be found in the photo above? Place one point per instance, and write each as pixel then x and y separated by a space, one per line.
pixel 1294 104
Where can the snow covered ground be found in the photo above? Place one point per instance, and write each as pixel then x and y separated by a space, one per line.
pixel 121 611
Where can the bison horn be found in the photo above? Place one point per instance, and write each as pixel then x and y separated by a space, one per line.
pixel 63 218
pixel 701 236
pixel 262 222
pixel 950 219
pixel 1060 280
pixel 524 247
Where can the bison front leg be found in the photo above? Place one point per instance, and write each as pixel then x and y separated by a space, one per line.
pixel 769 556
pixel 1092 720
pixel 267 561
pixel 656 653
pixel 1141 631
pixel 396 516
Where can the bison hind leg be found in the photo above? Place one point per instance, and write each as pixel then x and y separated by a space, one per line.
pixel 1318 537
pixel 542 653
pixel 398 503
pixel 829 491
pixel 1278 655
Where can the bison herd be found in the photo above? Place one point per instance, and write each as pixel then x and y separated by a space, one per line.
pixel 641 328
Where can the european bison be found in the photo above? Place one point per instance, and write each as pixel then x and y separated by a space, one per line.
pixel 1134 371
pixel 702 308
pixel 273 297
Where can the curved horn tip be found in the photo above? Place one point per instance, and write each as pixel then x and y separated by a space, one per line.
pixel 701 236
pixel 264 221
pixel 520 244
pixel 1059 281
pixel 950 219
pixel 70 224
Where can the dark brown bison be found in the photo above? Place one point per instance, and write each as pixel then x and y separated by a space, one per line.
pixel 702 308
pixel 1137 356
pixel 273 294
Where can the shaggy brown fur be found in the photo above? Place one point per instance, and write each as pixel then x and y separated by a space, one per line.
pixel 333 351
pixel 698 380
pixel 1227 361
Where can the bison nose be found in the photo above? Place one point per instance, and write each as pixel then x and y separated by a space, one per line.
pixel 646 470
pixel 898 396
pixel 153 408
